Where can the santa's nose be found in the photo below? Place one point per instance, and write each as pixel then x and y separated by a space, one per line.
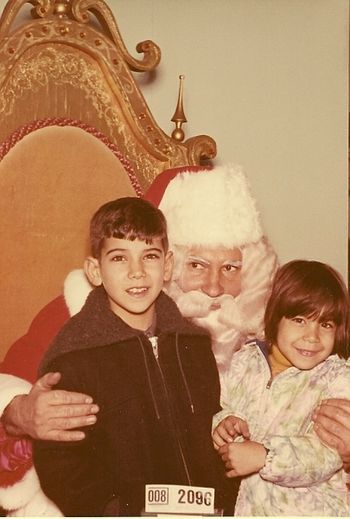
pixel 211 285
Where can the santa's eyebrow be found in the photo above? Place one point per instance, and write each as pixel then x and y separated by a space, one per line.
pixel 236 262
pixel 197 259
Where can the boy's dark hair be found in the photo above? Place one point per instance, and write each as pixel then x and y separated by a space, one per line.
pixel 311 289
pixel 128 218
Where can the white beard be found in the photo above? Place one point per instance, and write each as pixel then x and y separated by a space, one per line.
pixel 221 316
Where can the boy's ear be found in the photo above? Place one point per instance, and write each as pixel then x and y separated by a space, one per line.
pixel 92 271
pixel 168 266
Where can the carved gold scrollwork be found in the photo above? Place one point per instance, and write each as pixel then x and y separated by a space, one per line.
pixel 41 8
pixel 80 10
pixel 201 147
pixel 151 51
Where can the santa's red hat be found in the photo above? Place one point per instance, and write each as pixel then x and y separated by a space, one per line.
pixel 207 207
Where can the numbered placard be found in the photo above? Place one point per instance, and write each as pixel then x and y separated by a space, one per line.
pixel 177 499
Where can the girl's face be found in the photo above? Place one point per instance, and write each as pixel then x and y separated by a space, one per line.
pixel 305 342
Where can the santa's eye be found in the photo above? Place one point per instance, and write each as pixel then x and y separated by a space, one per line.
pixel 195 265
pixel 231 267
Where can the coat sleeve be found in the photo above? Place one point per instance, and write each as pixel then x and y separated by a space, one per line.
pixel 303 460
pixel 299 461
pixel 233 389
pixel 74 475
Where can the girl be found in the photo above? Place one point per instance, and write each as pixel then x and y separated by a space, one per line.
pixel 265 430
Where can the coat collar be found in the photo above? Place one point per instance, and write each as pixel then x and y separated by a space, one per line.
pixel 96 325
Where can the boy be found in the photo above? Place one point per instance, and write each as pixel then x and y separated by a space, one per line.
pixel 152 374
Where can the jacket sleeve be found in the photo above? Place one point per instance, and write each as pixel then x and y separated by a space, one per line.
pixel 299 461
pixel 233 390
pixel 74 475
pixel 304 460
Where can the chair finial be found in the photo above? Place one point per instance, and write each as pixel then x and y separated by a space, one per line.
pixel 179 117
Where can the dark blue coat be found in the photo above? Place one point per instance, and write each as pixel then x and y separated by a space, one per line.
pixel 154 423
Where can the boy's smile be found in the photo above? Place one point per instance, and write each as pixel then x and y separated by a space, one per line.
pixel 133 274
pixel 305 342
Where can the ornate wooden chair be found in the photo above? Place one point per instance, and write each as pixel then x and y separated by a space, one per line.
pixel 75 132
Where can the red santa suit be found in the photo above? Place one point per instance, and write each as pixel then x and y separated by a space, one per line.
pixel 20 491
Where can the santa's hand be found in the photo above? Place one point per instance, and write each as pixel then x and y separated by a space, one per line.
pixel 332 425
pixel 242 458
pixel 228 429
pixel 49 414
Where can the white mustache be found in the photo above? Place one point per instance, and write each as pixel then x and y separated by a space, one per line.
pixel 227 309
pixel 198 304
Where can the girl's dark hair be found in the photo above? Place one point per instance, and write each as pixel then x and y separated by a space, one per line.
pixel 311 289
pixel 128 218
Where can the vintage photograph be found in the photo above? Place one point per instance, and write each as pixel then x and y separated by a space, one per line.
pixel 174 298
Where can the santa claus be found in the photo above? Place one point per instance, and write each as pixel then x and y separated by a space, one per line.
pixel 223 265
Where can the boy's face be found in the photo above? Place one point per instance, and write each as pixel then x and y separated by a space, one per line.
pixel 133 274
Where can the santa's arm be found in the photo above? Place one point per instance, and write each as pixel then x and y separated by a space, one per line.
pixel 19 486
pixel 332 418
pixel 332 425
pixel 10 387
pixel 20 492
pixel 28 410
pixel 38 411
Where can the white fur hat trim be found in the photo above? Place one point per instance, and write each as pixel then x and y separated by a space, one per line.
pixel 211 208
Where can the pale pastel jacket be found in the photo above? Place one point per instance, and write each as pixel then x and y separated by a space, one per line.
pixel 301 476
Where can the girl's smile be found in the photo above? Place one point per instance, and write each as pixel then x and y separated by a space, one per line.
pixel 305 342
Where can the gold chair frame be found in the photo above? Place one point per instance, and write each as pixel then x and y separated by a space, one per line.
pixel 60 64
pixel 66 75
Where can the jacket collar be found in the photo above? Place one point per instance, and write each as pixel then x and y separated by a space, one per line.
pixel 96 325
